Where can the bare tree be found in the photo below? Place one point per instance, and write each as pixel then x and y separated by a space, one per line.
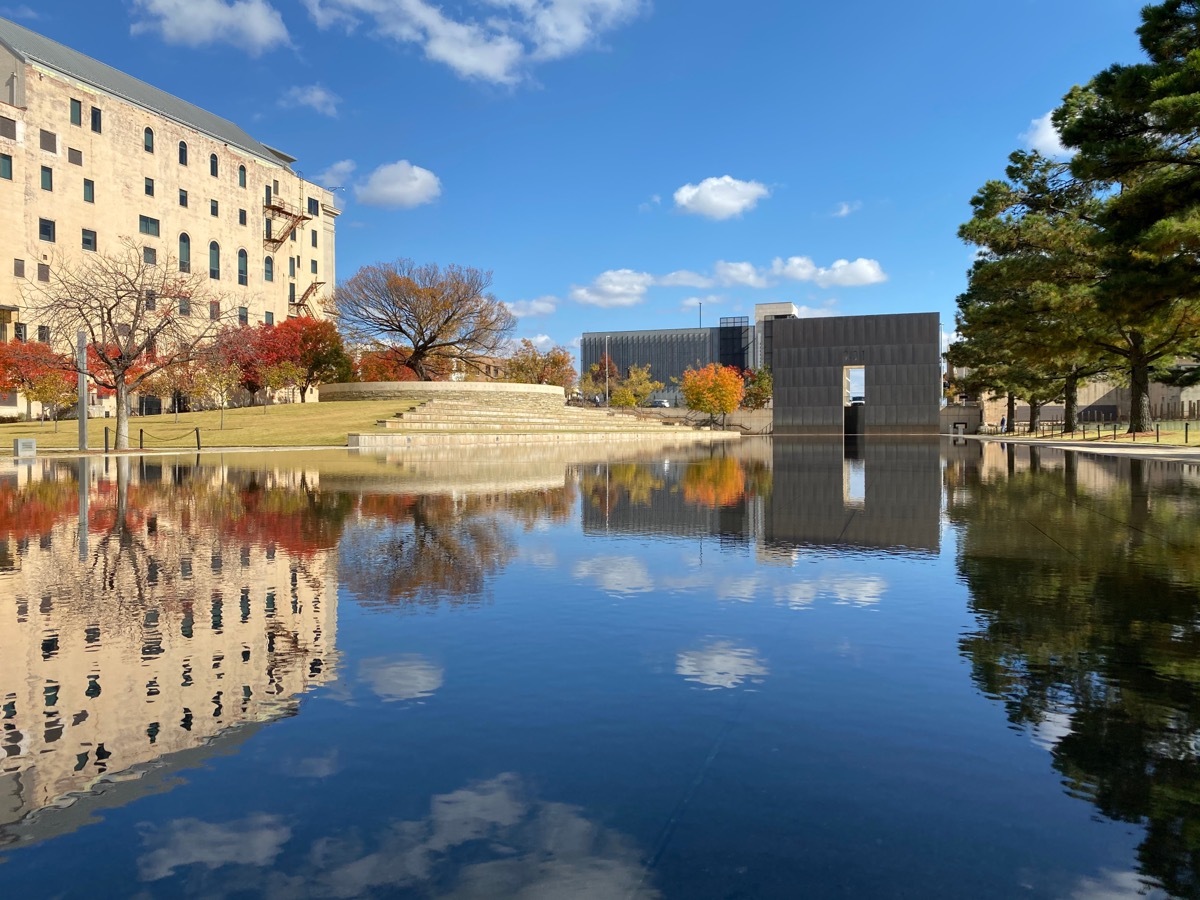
pixel 139 317
pixel 424 314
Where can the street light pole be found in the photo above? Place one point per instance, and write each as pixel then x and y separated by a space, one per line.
pixel 607 366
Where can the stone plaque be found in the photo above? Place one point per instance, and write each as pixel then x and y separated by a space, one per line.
pixel 24 448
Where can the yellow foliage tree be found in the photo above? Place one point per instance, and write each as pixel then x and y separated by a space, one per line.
pixel 714 390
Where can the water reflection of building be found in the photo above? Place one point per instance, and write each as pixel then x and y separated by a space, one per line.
pixel 868 494
pixel 170 631
pixel 716 491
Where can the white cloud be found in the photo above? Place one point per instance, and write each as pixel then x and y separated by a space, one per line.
pixel 1043 137
pixel 720 665
pixel 655 200
pixel 816 312
pixel 1116 885
pixel 684 278
pixel 616 287
pixel 498 43
pixel 846 208
pixel 410 677
pixel 314 96
pixel 18 12
pixel 844 590
pixel 399 185
pixel 693 302
pixel 338 174
pixel 615 574
pixel 739 273
pixel 539 306
pixel 253 25
pixel 542 341
pixel 254 841
pixel 843 272
pixel 720 198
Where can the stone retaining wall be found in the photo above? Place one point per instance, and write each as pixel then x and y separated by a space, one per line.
pixel 481 393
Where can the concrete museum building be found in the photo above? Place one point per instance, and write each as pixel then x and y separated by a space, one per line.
pixel 91 158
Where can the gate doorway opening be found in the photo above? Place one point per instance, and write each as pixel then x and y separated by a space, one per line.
pixel 854 398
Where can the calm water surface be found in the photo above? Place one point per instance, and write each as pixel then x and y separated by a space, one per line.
pixel 772 670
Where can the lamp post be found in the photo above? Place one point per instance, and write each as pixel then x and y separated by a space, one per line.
pixel 607 366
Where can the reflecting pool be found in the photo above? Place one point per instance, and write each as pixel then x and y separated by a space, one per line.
pixel 767 669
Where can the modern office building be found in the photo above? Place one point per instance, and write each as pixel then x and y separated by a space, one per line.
pixel 92 158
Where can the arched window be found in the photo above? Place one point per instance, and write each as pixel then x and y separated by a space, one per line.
pixel 269 269
pixel 212 165
pixel 243 268
pixel 241 176
pixel 214 260
pixel 183 153
pixel 148 140
pixel 185 253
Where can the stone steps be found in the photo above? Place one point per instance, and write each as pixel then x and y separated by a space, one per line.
pixel 464 417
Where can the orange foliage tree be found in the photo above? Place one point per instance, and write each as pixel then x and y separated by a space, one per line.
pixel 35 370
pixel 714 390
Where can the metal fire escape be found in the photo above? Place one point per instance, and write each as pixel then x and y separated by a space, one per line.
pixel 283 218
pixel 300 307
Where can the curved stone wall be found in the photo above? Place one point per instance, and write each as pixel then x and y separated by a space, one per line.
pixel 479 393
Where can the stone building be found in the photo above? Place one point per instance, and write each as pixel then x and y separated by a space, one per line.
pixel 91 157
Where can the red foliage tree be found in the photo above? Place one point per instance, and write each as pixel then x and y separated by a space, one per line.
pixel 315 346
pixel 25 366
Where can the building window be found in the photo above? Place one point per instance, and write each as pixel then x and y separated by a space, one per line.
pixel 76 112
pixel 74 157
pixel 182 197
pixel 183 153
pixel 314 206
pixel 241 217
pixel 214 310
pixel 214 260
pixel 147 225
pixel 213 168
pixel 293 234
pixel 49 141
pixel 213 208
pixel 89 191
pixel 314 237
pixel 291 267
pixel 19 268
pixel 8 128
pixel 19 332
pixel 44 334
pixel 185 253
pixel 268 194
pixel 89 240
pixel 268 318
pixel 148 140
pixel 96 117
pixel 313 266
pixel 150 256
pixel 243 315
pixel 241 176
pixel 47 178
pixel 149 187
pixel 243 268
pixel 151 302
pixel 6 166
pixel 185 306
pixel 43 272
pixel 269 269
pixel 46 230
pixel 292 292
pixel 268 221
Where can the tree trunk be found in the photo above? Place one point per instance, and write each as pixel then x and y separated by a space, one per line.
pixel 1010 424
pixel 1139 386
pixel 1035 415
pixel 1071 403
pixel 122 397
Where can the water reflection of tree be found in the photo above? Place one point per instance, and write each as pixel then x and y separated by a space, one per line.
pixel 423 549
pixel 1087 606
pixel 609 486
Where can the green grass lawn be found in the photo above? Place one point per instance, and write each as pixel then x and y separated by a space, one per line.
pixel 287 425
pixel 1169 434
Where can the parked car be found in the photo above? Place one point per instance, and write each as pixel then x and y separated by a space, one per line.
pixel 659 404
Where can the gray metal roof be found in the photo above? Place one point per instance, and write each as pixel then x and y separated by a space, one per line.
pixel 33 47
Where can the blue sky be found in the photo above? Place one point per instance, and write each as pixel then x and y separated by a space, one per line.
pixel 615 162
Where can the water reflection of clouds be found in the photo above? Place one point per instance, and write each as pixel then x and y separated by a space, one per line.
pixel 1112 885
pixel 254 841
pixel 518 846
pixel 1052 728
pixel 410 677
pixel 844 590
pixel 616 574
pixel 721 664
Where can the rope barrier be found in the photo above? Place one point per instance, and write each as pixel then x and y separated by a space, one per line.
pixel 142 434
